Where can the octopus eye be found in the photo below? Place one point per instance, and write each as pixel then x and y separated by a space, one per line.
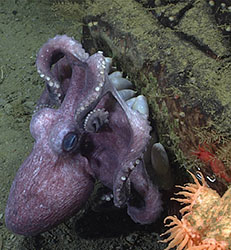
pixel 70 142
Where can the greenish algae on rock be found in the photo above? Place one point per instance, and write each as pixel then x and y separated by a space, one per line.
pixel 182 68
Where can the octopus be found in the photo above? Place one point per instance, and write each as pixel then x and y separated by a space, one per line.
pixel 205 222
pixel 87 126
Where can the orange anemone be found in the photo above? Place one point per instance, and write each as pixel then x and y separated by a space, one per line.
pixel 206 219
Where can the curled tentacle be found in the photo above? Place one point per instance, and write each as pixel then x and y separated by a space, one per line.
pixel 133 188
pixel 95 120
pixel 121 188
pixel 145 205
pixel 51 52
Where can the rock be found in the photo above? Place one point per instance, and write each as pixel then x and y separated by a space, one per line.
pixel 179 59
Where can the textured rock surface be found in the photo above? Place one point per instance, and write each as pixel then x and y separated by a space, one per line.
pixel 180 59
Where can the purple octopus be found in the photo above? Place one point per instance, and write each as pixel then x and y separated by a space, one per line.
pixel 87 126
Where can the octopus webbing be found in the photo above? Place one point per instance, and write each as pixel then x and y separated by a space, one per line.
pixel 88 125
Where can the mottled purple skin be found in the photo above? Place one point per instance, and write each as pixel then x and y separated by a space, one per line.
pixel 58 177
